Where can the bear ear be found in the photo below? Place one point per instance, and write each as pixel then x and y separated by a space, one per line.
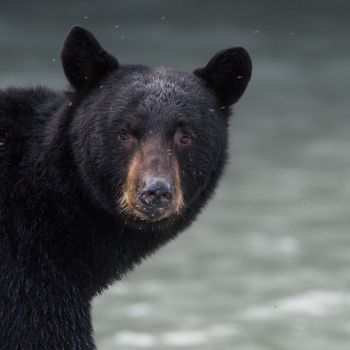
pixel 228 74
pixel 84 61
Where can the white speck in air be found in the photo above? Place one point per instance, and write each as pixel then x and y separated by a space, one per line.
pixel 117 26
pixel 70 103
pixel 239 76
pixel 86 17
pixel 54 60
pixel 122 37
pixel 162 18
pixel 291 33
pixel 256 32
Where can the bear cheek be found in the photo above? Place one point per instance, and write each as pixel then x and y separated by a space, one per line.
pixel 128 199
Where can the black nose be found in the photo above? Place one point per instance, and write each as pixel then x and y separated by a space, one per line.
pixel 156 194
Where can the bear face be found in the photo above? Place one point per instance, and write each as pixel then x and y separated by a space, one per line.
pixel 150 142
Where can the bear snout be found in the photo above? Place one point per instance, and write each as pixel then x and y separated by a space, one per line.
pixel 152 190
pixel 155 195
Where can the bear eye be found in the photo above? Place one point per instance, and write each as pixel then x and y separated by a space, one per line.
pixel 182 138
pixel 124 136
pixel 185 140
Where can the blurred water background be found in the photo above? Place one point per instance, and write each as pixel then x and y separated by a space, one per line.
pixel 267 265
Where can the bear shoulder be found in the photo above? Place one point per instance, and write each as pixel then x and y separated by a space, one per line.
pixel 17 105
pixel 22 110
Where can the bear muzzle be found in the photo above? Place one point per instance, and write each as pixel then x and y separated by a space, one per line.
pixel 152 190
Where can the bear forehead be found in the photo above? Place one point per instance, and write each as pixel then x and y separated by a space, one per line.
pixel 170 79
pixel 162 81
pixel 153 91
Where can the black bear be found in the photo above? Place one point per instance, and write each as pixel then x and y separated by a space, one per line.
pixel 95 179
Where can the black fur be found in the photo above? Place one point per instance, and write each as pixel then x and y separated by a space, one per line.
pixel 228 74
pixel 85 62
pixel 63 238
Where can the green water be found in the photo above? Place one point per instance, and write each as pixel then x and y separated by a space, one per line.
pixel 267 265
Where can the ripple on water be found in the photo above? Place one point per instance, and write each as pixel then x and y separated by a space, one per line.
pixel 135 339
pixel 311 303
pixel 176 338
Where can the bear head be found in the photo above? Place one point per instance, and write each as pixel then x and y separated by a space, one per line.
pixel 150 143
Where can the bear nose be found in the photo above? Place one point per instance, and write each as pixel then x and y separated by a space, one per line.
pixel 156 194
